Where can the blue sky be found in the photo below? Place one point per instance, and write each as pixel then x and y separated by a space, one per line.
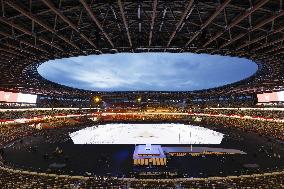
pixel 147 71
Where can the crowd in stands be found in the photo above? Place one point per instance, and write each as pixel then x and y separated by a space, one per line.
pixel 264 128
pixel 15 105
pixel 62 129
pixel 276 114
pixel 35 113
pixel 225 103
pixel 12 132
pixel 67 102
pixel 271 129
pixel 9 133
pixel 24 179
pixel 267 181
pixel 27 180
pixel 260 181
pixel 143 117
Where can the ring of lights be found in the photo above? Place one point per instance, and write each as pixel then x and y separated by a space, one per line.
pixel 30 38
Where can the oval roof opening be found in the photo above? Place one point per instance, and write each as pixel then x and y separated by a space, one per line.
pixel 147 71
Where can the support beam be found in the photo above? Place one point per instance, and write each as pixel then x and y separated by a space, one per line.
pixel 17 54
pixel 188 7
pixel 19 8
pixel 94 18
pixel 65 19
pixel 24 30
pixel 115 18
pixel 236 21
pixel 24 42
pixel 10 51
pixel 279 53
pixel 209 20
pixel 4 60
pixel 259 25
pixel 155 2
pixel 274 49
pixel 124 21
pixel 163 19
pixel 19 49
pixel 9 56
pixel 260 38
pixel 268 44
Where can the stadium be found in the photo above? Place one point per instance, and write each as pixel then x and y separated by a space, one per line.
pixel 57 136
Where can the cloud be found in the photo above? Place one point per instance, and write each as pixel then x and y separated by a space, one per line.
pixel 147 71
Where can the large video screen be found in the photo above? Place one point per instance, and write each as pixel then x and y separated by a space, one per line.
pixel 271 97
pixel 17 97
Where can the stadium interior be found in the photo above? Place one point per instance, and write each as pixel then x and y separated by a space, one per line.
pixel 40 120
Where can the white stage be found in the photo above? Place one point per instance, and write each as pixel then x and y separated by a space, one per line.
pixel 146 134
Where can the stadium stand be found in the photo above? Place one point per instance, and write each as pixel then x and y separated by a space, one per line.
pixel 32 32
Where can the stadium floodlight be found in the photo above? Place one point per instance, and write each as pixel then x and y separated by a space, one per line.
pixel 97 99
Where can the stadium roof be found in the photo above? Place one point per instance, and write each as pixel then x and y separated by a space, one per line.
pixel 32 32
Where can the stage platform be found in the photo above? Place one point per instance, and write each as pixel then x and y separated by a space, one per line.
pixel 156 154
pixel 193 151
pixel 149 155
